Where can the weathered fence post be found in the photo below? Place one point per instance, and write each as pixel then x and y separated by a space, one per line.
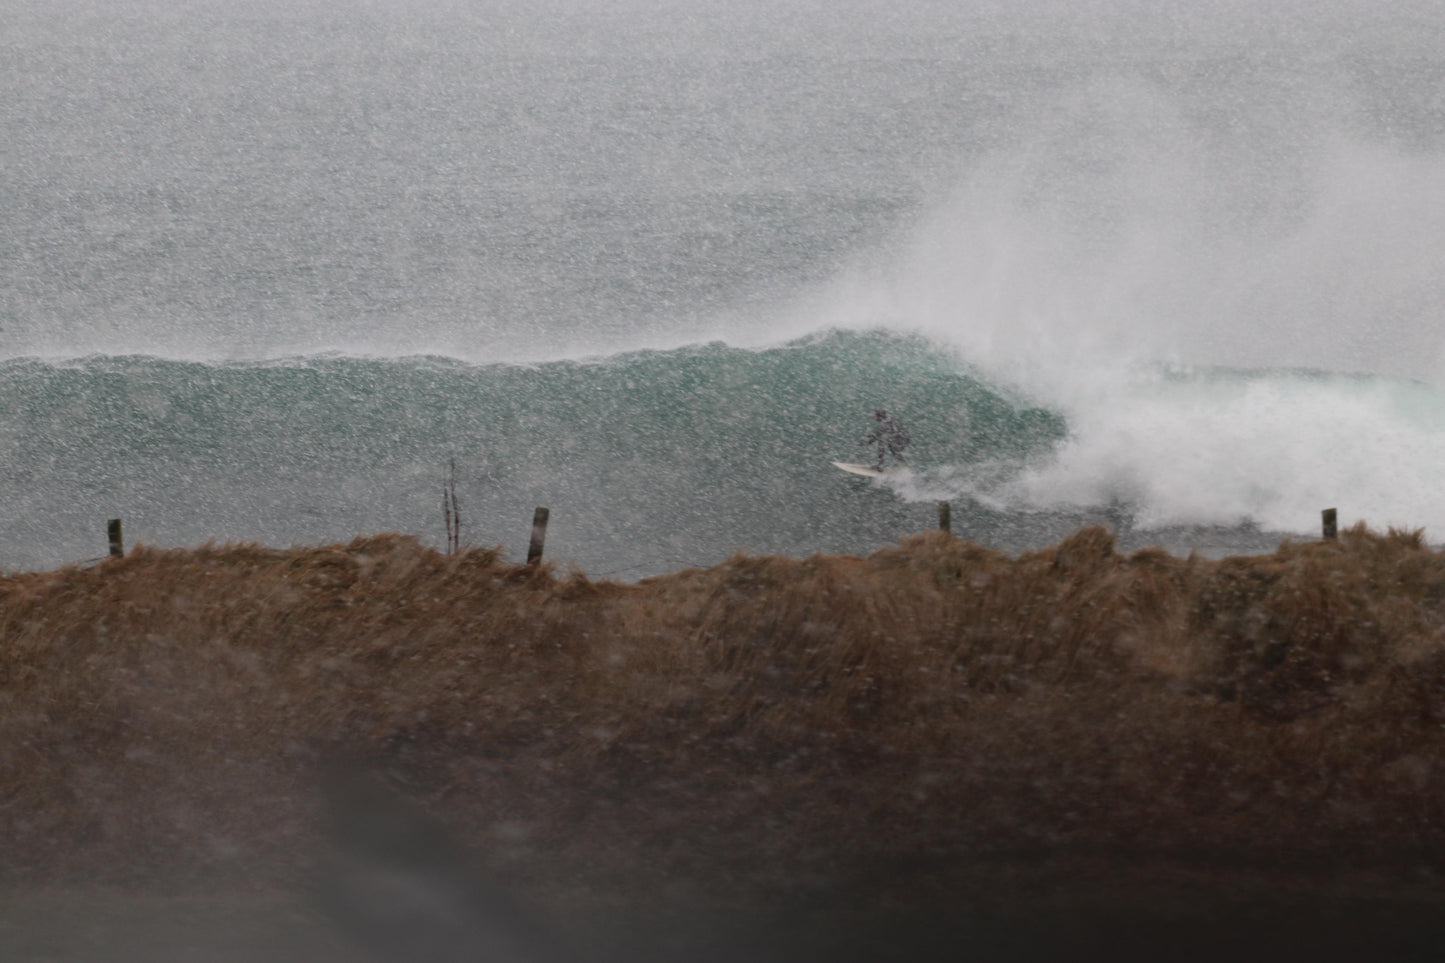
pixel 117 546
pixel 1328 523
pixel 452 509
pixel 539 535
pixel 945 516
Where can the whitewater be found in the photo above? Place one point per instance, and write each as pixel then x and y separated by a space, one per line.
pixel 266 269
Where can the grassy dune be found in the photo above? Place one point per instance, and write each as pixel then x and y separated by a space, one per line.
pixel 936 721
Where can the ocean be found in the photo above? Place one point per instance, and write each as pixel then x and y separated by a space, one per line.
pixel 267 270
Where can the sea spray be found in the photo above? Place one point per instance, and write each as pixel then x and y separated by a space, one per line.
pixel 1194 290
pixel 1229 447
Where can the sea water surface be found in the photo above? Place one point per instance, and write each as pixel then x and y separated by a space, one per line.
pixel 266 269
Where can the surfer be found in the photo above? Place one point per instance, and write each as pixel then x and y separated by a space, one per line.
pixel 890 436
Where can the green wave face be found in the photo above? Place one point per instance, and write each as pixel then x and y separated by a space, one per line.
pixel 648 461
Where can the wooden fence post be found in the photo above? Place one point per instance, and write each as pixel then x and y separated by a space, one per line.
pixel 1328 523
pixel 117 547
pixel 539 535
pixel 452 509
pixel 945 516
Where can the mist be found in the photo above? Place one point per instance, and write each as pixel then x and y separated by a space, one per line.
pixel 1209 184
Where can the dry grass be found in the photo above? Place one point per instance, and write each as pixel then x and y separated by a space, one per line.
pixel 748 725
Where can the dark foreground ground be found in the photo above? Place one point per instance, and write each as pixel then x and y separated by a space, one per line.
pixel 1252 923
pixel 375 752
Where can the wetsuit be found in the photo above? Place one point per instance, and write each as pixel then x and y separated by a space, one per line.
pixel 891 438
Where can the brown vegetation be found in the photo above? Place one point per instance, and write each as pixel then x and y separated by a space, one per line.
pixel 910 718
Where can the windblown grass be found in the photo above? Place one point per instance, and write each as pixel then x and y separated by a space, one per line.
pixel 759 722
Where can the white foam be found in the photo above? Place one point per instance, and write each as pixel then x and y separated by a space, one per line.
pixel 1271 449
pixel 1275 450
pixel 1119 231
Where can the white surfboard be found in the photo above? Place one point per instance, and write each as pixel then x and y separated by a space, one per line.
pixel 868 471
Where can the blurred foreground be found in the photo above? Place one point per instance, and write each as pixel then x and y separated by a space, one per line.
pixel 375 751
